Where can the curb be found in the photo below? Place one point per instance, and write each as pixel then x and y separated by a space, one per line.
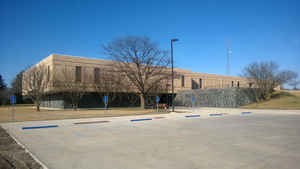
pixel 133 120
pixel 29 152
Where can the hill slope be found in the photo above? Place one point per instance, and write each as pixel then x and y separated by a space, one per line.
pixel 280 100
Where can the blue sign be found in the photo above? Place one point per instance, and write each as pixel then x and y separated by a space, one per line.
pixel 193 99
pixel 13 100
pixel 157 99
pixel 105 99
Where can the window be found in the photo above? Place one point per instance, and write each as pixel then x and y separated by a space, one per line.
pixel 78 74
pixel 200 83
pixel 232 84
pixel 48 73
pixel 250 85
pixel 182 81
pixel 97 75
pixel 194 84
pixel 238 84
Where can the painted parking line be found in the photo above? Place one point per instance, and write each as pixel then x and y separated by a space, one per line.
pixel 246 112
pixel 140 119
pixel 92 122
pixel 39 127
pixel 158 117
pixel 216 114
pixel 196 115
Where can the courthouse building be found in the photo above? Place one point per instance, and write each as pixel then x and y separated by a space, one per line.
pixel 87 70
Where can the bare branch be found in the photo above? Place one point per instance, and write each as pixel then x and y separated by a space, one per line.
pixel 36 83
pixel 141 61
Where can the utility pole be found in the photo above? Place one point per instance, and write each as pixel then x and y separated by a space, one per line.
pixel 172 62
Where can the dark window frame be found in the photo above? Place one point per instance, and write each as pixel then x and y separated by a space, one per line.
pixel 200 83
pixel 78 74
pixel 96 75
pixel 194 84
pixel 48 73
pixel 182 81
pixel 250 85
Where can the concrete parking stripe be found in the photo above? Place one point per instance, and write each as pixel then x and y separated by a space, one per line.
pixel 158 117
pixel 196 115
pixel 92 122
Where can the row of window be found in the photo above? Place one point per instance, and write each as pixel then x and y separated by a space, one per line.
pixel 195 86
pixel 78 74
pixel 97 78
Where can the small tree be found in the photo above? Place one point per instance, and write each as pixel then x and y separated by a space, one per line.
pixel 142 62
pixel 35 83
pixel 286 76
pixel 295 81
pixel 2 83
pixel 3 92
pixel 266 76
pixel 16 86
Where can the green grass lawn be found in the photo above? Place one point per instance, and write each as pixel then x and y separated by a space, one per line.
pixel 280 100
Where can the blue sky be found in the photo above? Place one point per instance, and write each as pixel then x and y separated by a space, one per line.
pixel 257 30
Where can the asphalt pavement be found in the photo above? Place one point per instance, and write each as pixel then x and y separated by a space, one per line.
pixel 240 140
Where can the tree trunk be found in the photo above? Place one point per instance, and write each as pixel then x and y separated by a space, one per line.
pixel 142 100
pixel 74 107
pixel 37 106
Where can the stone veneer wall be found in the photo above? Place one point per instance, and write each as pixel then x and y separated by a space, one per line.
pixel 53 101
pixel 89 100
pixel 230 97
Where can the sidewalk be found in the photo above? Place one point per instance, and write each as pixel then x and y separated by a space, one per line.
pixel 231 111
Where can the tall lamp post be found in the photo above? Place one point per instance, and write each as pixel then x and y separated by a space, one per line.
pixel 172 62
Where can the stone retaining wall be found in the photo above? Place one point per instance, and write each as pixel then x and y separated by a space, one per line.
pixel 231 97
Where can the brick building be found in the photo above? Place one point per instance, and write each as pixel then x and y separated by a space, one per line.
pixel 86 70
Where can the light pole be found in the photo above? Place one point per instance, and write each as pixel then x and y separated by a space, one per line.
pixel 172 40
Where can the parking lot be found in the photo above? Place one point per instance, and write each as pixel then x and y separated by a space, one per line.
pixel 170 141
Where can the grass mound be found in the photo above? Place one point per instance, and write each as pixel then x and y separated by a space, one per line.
pixel 286 100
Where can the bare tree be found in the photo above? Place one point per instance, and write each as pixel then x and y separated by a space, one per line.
pixel 295 81
pixel 142 62
pixel 286 76
pixel 109 83
pixel 16 87
pixel 4 96
pixel 65 82
pixel 4 92
pixel 266 76
pixel 35 83
pixel 2 83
